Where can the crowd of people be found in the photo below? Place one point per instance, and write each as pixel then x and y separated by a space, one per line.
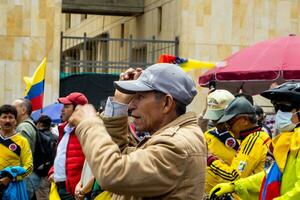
pixel 144 144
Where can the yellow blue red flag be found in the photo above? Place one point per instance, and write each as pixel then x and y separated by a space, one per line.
pixel 34 90
pixel 186 64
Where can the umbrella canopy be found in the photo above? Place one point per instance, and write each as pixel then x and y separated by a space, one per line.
pixel 256 67
pixel 52 110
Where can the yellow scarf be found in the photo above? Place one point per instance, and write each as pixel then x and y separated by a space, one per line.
pixel 285 143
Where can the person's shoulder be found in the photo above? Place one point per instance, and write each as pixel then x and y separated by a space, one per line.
pixel 190 135
pixel 257 138
pixel 27 128
pixel 263 135
pixel 28 123
pixel 20 139
pixel 23 127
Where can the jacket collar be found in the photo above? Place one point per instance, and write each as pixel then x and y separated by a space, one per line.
pixel 245 133
pixel 187 118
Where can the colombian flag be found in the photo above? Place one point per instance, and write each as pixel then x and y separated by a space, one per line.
pixel 35 86
pixel 270 188
pixel 186 64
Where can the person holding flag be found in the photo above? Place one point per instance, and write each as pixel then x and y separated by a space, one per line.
pixel 33 100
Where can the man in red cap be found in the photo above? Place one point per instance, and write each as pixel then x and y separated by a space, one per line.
pixel 69 159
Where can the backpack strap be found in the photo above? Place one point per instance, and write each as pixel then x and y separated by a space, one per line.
pixel 33 125
pixel 11 145
pixel 226 138
pixel 37 132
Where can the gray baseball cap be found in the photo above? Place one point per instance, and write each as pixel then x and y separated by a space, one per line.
pixel 162 77
pixel 238 106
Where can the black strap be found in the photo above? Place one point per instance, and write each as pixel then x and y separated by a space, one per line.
pixel 36 130
pixel 226 138
pixel 11 145
pixel 33 125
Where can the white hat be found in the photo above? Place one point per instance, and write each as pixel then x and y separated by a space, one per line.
pixel 217 101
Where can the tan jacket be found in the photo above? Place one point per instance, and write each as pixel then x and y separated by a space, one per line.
pixel 168 165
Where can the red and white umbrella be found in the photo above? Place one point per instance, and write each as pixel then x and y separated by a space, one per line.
pixel 255 68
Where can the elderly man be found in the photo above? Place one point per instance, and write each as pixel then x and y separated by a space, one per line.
pixel 25 124
pixel 27 128
pixel 250 158
pixel 168 164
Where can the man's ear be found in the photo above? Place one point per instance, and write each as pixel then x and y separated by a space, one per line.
pixel 23 110
pixel 169 104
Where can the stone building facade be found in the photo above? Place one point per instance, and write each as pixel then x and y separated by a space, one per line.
pixel 208 30
pixel 30 31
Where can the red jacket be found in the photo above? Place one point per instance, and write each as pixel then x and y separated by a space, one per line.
pixel 74 159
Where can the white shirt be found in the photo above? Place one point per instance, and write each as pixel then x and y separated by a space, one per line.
pixel 60 159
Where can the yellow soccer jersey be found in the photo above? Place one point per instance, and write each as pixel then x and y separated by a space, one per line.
pixel 218 148
pixel 223 152
pixel 249 159
pixel 15 151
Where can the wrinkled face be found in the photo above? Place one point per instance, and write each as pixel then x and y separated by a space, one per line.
pixel 66 112
pixel 8 123
pixel 146 110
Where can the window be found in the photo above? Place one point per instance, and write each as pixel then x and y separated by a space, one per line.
pixel 122 34
pixel 159 19
pixel 68 21
pixel 83 17
pixel 139 54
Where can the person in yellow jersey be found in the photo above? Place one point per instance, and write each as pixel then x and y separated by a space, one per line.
pixel 282 179
pixel 15 157
pixel 220 141
pixel 250 157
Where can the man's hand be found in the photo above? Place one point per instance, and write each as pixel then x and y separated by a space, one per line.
pixel 81 113
pixel 129 74
pixel 78 191
pixel 5 181
pixel 221 189
pixel 51 178
pixel 211 158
